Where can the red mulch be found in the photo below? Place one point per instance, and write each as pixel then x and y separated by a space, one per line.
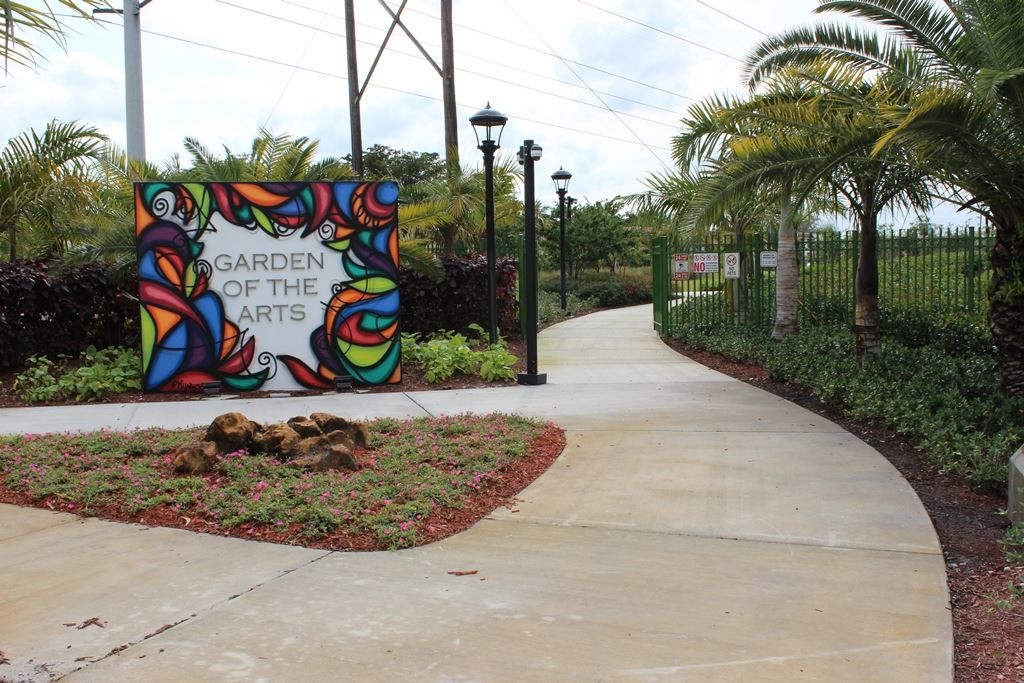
pixel 988 634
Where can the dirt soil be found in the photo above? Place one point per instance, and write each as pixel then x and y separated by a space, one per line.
pixel 988 616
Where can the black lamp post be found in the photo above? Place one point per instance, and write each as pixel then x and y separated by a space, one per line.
pixel 561 178
pixel 486 122
pixel 528 154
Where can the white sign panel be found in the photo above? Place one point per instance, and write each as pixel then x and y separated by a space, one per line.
pixel 769 259
pixel 732 266
pixel 680 266
pixel 705 263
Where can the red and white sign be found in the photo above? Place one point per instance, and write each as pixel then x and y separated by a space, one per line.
pixel 705 263
pixel 680 266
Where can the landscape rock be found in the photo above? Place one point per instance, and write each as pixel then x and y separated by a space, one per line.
pixel 305 427
pixel 196 458
pixel 276 439
pixel 333 423
pixel 318 443
pixel 232 432
pixel 334 458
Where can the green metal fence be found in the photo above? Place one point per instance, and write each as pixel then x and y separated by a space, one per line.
pixel 723 280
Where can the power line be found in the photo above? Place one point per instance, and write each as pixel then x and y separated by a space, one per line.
pixel 339 77
pixel 468 71
pixel 659 30
pixel 531 48
pixel 599 99
pixel 729 16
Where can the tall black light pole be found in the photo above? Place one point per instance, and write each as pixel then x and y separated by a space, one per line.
pixel 486 121
pixel 561 178
pixel 528 154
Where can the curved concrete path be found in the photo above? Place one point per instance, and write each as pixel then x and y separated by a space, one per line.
pixel 695 529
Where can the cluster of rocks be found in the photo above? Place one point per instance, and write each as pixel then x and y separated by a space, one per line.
pixel 318 443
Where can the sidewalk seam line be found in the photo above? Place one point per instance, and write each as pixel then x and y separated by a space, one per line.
pixel 209 609
pixel 714 537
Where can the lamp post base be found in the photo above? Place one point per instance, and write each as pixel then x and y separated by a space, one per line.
pixel 533 379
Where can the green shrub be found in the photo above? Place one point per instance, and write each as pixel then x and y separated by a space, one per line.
pixel 448 353
pixel 549 307
pixel 101 373
pixel 604 288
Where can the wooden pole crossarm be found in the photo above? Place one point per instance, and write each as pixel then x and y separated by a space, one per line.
pixel 415 42
pixel 380 51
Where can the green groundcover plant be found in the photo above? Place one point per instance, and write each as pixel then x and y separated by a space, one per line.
pixel 412 468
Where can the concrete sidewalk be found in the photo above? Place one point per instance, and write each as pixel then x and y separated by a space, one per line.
pixel 695 529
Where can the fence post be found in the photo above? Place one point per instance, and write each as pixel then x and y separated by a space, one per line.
pixel 659 275
pixel 971 273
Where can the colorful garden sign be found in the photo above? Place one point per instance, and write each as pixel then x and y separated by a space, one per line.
pixel 268 285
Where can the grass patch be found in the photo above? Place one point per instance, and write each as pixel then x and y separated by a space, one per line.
pixel 414 468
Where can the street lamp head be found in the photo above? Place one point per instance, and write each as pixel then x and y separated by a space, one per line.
pixel 535 151
pixel 488 125
pixel 561 178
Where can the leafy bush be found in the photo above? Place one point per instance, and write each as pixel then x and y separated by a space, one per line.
pixel 102 372
pixel 604 289
pixel 42 313
pixel 460 298
pixel 448 353
pixel 948 403
pixel 549 307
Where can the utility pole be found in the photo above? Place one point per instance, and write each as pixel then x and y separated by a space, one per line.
pixel 135 115
pixel 451 124
pixel 354 117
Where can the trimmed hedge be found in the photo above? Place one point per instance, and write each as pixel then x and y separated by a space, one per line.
pixel 460 298
pixel 606 290
pixel 50 314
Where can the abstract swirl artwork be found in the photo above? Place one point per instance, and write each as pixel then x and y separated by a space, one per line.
pixel 275 286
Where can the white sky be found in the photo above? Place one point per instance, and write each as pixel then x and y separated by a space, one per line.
pixel 222 98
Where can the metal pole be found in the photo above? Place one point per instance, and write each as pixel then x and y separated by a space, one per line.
pixel 561 247
pixel 134 113
pixel 354 117
pixel 531 376
pixel 488 147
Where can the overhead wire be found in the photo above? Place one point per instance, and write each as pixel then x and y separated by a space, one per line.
pixel 660 30
pixel 584 82
pixel 524 46
pixel 464 70
pixel 729 16
pixel 328 74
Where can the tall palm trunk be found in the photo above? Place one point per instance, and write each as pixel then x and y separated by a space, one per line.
pixel 1006 302
pixel 786 321
pixel 866 317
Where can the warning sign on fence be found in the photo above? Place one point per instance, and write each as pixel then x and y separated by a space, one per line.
pixel 732 266
pixel 705 263
pixel 769 259
pixel 680 266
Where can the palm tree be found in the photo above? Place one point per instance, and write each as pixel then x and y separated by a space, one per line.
pixel 20 17
pixel 961 65
pixel 44 177
pixel 452 206
pixel 271 158
pixel 825 124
